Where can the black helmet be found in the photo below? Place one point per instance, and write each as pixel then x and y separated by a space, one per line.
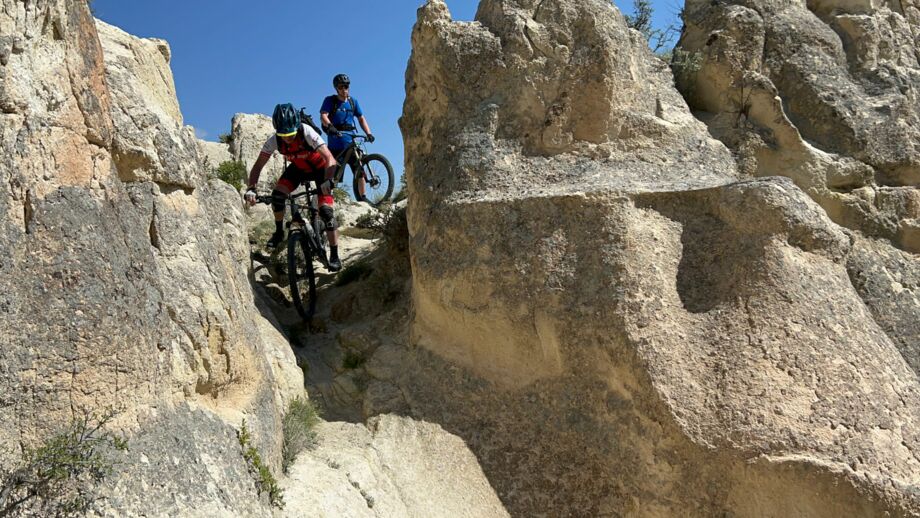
pixel 286 120
pixel 340 79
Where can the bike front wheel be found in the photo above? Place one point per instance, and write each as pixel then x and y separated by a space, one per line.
pixel 301 277
pixel 378 177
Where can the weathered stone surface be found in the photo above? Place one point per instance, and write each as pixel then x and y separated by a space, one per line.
pixel 826 93
pixel 888 281
pixel 394 467
pixel 150 143
pixel 167 457
pixel 247 134
pixel 214 153
pixel 689 343
pixel 128 295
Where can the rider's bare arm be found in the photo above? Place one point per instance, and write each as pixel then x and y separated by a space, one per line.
pixel 324 119
pixel 363 122
pixel 331 164
pixel 257 169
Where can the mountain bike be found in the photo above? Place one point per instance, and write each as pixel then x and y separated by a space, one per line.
pixel 375 169
pixel 306 240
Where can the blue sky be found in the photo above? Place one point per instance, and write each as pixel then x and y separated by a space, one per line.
pixel 231 56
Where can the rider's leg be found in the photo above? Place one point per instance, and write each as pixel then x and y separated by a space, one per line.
pixel 283 189
pixel 358 171
pixel 327 213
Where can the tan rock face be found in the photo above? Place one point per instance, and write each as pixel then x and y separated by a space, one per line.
pixel 393 467
pixel 150 143
pixel 825 93
pixel 214 153
pixel 247 135
pixel 123 286
pixel 689 343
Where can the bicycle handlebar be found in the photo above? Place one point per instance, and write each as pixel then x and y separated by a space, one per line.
pixel 353 135
pixel 267 198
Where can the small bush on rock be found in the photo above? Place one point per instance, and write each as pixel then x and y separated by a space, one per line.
pixel 265 481
pixel 298 429
pixel 59 477
pixel 232 172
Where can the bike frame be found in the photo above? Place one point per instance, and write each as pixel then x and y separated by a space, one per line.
pixel 353 150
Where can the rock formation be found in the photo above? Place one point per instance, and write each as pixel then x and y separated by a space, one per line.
pixel 624 297
pixel 366 472
pixel 214 153
pixel 124 285
pixel 825 93
pixel 828 94
pixel 124 270
pixel 248 133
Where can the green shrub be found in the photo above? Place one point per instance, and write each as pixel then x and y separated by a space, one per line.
pixel 265 481
pixel 59 477
pixel 225 138
pixel 298 428
pixel 353 272
pixel 232 172
pixel 403 191
pixel 340 195
pixel 368 220
pixel 353 360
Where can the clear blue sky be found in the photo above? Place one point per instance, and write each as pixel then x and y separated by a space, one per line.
pixel 231 56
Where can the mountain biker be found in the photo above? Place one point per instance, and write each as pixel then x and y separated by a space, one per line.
pixel 337 115
pixel 310 161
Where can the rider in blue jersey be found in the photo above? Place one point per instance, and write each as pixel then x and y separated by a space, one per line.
pixel 338 114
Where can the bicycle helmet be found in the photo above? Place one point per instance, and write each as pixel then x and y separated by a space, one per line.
pixel 286 120
pixel 341 79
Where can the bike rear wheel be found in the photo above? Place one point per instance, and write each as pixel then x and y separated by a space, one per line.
pixel 301 277
pixel 320 241
pixel 378 176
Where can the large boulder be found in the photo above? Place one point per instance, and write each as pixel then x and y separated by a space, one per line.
pixel 824 92
pixel 392 467
pixel 124 282
pixel 150 143
pixel 690 343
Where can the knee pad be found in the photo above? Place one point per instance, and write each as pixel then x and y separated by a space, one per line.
pixel 328 214
pixel 278 199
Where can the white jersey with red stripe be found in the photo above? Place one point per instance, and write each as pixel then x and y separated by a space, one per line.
pixel 311 136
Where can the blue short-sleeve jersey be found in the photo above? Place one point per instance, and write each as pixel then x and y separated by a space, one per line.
pixel 343 116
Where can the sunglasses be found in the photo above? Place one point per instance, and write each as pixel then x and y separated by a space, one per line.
pixel 342 87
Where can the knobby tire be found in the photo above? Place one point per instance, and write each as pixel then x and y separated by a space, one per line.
pixel 302 280
pixel 380 167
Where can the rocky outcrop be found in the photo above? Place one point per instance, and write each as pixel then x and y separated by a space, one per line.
pixel 247 134
pixel 124 270
pixel 150 143
pixel 689 342
pixel 393 467
pixel 825 93
pixel 214 153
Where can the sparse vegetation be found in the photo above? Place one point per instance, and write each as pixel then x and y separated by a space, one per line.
pixel 354 271
pixel 298 428
pixel 353 360
pixel 59 478
pixel 224 138
pixel 403 191
pixel 265 481
pixel 683 64
pixel 368 220
pixel 340 195
pixel 659 40
pixel 232 172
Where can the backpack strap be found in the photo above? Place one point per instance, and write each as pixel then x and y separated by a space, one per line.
pixel 336 104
